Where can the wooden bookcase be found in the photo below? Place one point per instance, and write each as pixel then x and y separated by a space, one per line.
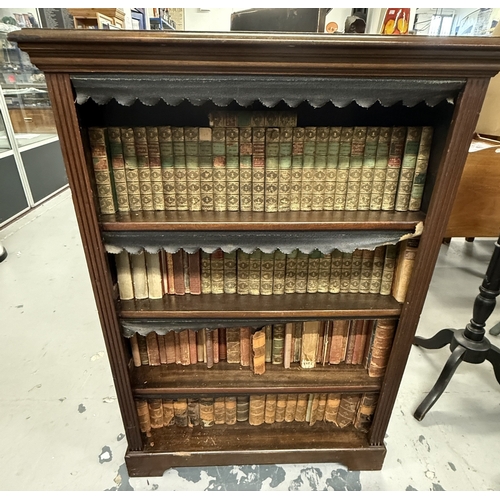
pixel 371 80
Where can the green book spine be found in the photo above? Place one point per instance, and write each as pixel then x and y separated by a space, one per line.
pixel 332 160
pixel 393 168
pixel 219 170
pixel 285 169
pixel 102 171
pixel 296 169
pixel 131 170
pixel 279 273
pixel 291 272
pixel 206 276
pixel 267 273
pixel 180 173
pixel 355 168
pixel 230 272
pixel 320 154
pixel 243 272
pixel 308 168
pixel 206 167
pixel 167 167
pixel 313 271
pixel 377 268
pixel 301 272
pixel 245 158
pixel 366 271
pixel 254 273
pixel 141 151
pixel 379 172
pixel 345 280
pixel 343 167
pixel 365 188
pixel 232 169
pixel 268 329
pixel 118 169
pixel 258 168
pixel 153 141
pixel 325 264
pixel 408 166
pixel 335 272
pixel 419 176
pixel 278 343
pixel 354 282
pixel 271 169
pixel 193 178
pixel 388 270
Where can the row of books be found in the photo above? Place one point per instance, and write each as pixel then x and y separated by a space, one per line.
pixel 153 275
pixel 260 168
pixel 307 344
pixel 341 410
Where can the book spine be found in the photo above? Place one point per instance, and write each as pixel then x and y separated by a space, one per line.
pixel 155 413
pixel 287 349
pixel 313 271
pixel 243 272
pixel 280 407
pixel 301 272
pixel 355 168
pixel 153 272
pixel 347 409
pixel 343 167
pixel 367 171
pixel 377 269
pixel 185 353
pixel 257 409
pixel 168 412
pixel 419 176
pixel 206 274
pixel 322 406
pixel 393 167
pixel 233 345
pixel 207 412
pixel 167 167
pixel 320 154
pixel 230 407
pixel 259 352
pixel 296 168
pixel 124 276
pixel 141 151
pixel 193 173
pixel 258 168
pixel 217 271
pixel 381 347
pixel 404 268
pixel 332 160
pixel 193 354
pixel 291 271
pixel 152 139
pixel 365 412
pixel 297 342
pixel 153 349
pixel 306 197
pixel 219 410
pixel 366 271
pixel 332 408
pixel 380 169
pixel 268 329
pixel 139 275
pixel 194 268
pixel 161 347
pixel 270 408
pixel 232 169
pixel 266 273
pixel 229 279
pixel 131 169
pixel 340 332
pixel 310 336
pixel 242 408
pixel 291 407
pixel 408 165
pixel 205 163
pixel 279 270
pixel 143 415
pixel 118 169
pixel 143 349
pixel 278 343
pixel 178 272
pixel 271 170
pixel 102 171
pixel 193 412
pixel 254 272
pixel 245 160
pixel 285 169
pixel 134 348
pixel 345 279
pixel 301 409
pixel 170 347
pixel 245 348
pixel 335 272
pixel 219 168
pixel 388 270
pixel 180 171
pixel 357 262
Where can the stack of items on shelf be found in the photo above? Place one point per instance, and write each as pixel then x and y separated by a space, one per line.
pixel 307 345
pixel 252 161
pixel 341 410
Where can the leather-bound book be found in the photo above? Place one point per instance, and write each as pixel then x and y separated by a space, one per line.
pixel 281 401
pixel 332 407
pixel 257 409
pixel 233 345
pixel 207 411
pixel 219 410
pixel 366 410
pixel 291 407
pixel 245 348
pixel 155 413
pixel 168 412
pixel 193 412
pixel 347 409
pixel 381 347
pixel 142 408
pixel 153 349
pixel 230 407
pixel 181 412
pixel 134 348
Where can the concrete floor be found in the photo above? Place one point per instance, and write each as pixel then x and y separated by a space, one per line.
pixel 60 426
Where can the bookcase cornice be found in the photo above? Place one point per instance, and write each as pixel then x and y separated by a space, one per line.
pixel 79 51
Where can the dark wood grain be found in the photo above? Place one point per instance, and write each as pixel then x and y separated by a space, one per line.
pixel 80 51
pixel 226 378
pixel 243 444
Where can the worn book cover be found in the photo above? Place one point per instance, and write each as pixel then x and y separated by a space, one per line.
pixel 230 407
pixel 296 168
pixel 233 345
pixel 118 169
pixel 347 409
pixel 396 147
pixel 270 408
pixel 259 351
pixel 366 271
pixel 141 152
pixel 420 173
pixel 245 347
pixel 301 409
pixel 291 407
pixel 167 166
pixel 134 347
pixel 291 271
pixel 168 412
pixel 404 268
pixel 154 156
pixel 278 343
pixel 181 412
pixel 318 197
pixel 155 413
pixel 340 333
pixel 346 135
pixel 271 169
pixel 325 263
pixel 285 169
pixel 254 272
pixel 206 275
pixel 243 272
pixel 266 273
pixel 242 408
pixel 257 409
pixel 142 408
pixel 258 168
pixel 377 269
pixel 153 271
pixel 356 265
pixel 313 271
pixel 207 417
pixel 279 271
pixel 355 168
pixel 388 270
pixel 178 270
pixel 335 272
pixel 380 169
pixel 367 170
pixel 217 271
pixel 301 272
pixel 308 168
pixel 280 407
pixel 365 412
pixel 230 272
pixel 380 347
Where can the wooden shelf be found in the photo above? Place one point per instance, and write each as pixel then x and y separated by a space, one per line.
pixel 226 378
pixel 296 306
pixel 241 444
pixel 261 221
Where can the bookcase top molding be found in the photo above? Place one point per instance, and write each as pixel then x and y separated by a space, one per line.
pixel 122 51
pixel 221 90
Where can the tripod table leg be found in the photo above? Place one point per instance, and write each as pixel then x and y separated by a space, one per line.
pixel 449 369
pixel 493 356
pixel 442 338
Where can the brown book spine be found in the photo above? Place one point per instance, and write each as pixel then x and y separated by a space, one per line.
pixel 347 409
pixel 201 348
pixel 207 412
pixel 313 418
pixel 155 413
pixel 301 410
pixel 270 408
pixel 245 351
pixel 153 349
pixel 355 327
pixel 193 355
pixel 222 344
pixel 168 412
pixel 177 339
pixel 143 414
pixel 185 352
pixel 143 349
pixel 291 407
pixel 216 345
pixel 280 407
pixel 332 408
pixel 161 347
pixel 209 343
pixel 178 269
pixel 320 417
pixel 360 343
pixel 219 410
pixel 257 409
pixel 259 352
pixel 404 268
pixel 242 408
pixel 233 345
pixel 381 347
pixel 230 406
pixel 194 273
pixel 134 347
pixel 185 271
pixel 193 412
pixel 340 330
pixel 365 413
pixel 217 271
pixel 170 347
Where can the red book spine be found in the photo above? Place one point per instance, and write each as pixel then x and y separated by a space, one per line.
pixel 194 273
pixel 178 273
pixel 193 353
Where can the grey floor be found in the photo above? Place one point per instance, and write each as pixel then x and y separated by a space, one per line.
pixel 60 426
